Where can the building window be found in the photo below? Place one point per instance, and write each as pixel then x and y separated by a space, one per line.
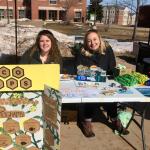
pixel 10 13
pixel 52 1
pixel 21 13
pixel 77 17
pixel 62 15
pixel 42 14
pixel 77 14
pixel 1 14
pixel 53 15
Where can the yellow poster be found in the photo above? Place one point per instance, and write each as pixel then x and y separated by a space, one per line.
pixel 29 77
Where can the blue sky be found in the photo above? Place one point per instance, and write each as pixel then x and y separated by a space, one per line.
pixel 110 1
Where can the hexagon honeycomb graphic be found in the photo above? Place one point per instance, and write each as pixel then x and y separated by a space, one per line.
pixel 31 125
pixel 11 126
pixel 4 72
pixel 12 83
pixel 18 72
pixel 25 83
pixel 1 84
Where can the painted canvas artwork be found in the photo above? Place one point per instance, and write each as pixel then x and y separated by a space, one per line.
pixel 30 120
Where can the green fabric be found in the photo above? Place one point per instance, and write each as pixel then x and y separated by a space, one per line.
pixel 120 66
pixel 124 117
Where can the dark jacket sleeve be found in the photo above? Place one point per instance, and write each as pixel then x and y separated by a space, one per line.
pixel 25 59
pixel 83 60
pixel 78 59
pixel 111 60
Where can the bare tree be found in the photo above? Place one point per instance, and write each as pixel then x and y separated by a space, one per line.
pixel 67 5
pixel 116 9
pixel 136 20
pixel 133 5
pixel 129 4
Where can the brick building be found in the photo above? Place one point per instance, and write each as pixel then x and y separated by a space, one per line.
pixel 44 9
pixel 117 15
pixel 7 9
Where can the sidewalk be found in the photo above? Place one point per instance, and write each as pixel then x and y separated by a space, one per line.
pixel 73 139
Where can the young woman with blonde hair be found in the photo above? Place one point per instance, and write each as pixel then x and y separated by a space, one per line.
pixel 97 52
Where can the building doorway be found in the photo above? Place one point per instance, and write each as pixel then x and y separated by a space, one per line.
pixel 53 15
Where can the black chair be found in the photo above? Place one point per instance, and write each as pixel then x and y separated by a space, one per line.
pixel 146 69
pixel 144 52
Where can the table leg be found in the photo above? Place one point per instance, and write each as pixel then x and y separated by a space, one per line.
pixel 133 112
pixel 142 127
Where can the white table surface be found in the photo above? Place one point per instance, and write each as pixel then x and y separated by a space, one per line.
pixel 73 93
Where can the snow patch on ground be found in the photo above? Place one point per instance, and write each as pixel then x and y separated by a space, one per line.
pixel 120 47
pixel 28 33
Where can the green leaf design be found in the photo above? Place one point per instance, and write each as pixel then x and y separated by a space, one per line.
pixel 1 129
pixel 1 94
pixel 38 117
pixel 16 95
pixel 58 121
pixel 22 106
pixel 14 105
pixel 38 141
pixel 55 134
pixel 20 132
pixel 18 146
pixel 28 112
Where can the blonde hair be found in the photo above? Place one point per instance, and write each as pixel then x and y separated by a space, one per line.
pixel 102 47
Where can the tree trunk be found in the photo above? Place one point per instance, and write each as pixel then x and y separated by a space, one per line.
pixel 136 21
pixel 95 17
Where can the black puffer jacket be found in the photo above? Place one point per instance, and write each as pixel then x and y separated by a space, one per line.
pixel 35 59
pixel 105 61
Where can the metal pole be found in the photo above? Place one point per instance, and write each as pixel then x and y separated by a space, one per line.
pixel 95 7
pixel 142 126
pixel 116 5
pixel 7 12
pixel 95 15
pixel 149 37
pixel 108 15
pixel 16 28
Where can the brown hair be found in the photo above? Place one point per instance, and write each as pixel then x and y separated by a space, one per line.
pixel 54 54
pixel 102 47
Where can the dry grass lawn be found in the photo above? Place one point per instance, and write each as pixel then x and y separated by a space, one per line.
pixel 121 33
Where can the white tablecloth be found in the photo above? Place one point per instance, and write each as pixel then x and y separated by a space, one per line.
pixel 84 92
